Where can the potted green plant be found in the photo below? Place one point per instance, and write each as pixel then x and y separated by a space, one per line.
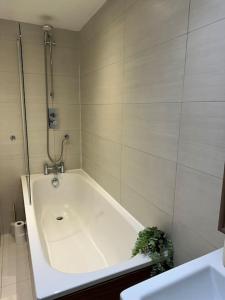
pixel 153 242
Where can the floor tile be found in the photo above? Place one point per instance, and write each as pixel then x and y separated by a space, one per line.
pixel 14 271
pixel 18 291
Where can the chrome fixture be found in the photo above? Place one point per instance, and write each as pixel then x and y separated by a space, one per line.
pixel 51 121
pixel 48 43
pixel 47 27
pixel 12 137
pixel 52 118
pixel 55 169
pixel 55 182
pixel 23 108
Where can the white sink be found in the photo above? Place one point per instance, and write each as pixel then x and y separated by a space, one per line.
pixel 200 279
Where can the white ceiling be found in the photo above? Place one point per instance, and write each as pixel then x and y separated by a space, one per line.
pixel 67 14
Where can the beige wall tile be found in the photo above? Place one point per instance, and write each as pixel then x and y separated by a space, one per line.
pixel 33 58
pixel 66 61
pixel 205 75
pixel 37 141
pixel 103 50
pixel 10 147
pixel 66 89
pixel 202 137
pixel 103 120
pixel 152 128
pixel 36 116
pixel 204 12
pixel 103 19
pixel 67 38
pixel 8 57
pixel 188 243
pixel 103 86
pixel 148 23
pixel 181 257
pixel 106 180
pixel 35 88
pixel 8 30
pixel 10 118
pixel 206 158
pixel 151 177
pixel 103 152
pixel 69 116
pixel 144 210
pixel 32 33
pixel 156 74
pixel 197 203
pixel 9 87
pixel 72 162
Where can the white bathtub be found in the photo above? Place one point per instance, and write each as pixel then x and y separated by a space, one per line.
pixel 92 242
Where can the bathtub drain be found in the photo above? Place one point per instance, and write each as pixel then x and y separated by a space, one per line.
pixel 59 218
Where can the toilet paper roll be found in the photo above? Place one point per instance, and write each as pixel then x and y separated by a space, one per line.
pixel 18 230
pixel 19 227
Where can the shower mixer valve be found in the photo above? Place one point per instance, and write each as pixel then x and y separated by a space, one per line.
pixel 55 169
pixel 52 118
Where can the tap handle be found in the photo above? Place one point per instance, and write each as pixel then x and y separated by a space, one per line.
pixel 62 167
pixel 45 169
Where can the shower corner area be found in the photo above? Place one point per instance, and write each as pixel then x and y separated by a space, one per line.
pixel 51 59
pixel 42 123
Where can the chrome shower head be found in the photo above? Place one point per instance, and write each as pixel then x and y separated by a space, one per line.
pixel 47 27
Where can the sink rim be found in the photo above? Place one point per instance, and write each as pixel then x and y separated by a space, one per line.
pixel 153 285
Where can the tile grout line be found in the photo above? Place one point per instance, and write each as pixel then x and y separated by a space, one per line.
pixel 206 25
pixel 180 119
pixel 145 199
pixel 151 154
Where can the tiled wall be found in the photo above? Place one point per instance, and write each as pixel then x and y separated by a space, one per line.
pixel 11 152
pixel 66 83
pixel 201 152
pixel 153 113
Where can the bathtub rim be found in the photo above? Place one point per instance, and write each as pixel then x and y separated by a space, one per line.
pixel 58 283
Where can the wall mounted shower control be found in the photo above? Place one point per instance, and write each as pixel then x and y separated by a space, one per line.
pixel 52 118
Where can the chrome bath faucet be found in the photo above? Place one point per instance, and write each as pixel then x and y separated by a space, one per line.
pixel 55 169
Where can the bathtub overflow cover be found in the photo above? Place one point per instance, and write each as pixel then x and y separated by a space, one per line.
pixel 59 218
